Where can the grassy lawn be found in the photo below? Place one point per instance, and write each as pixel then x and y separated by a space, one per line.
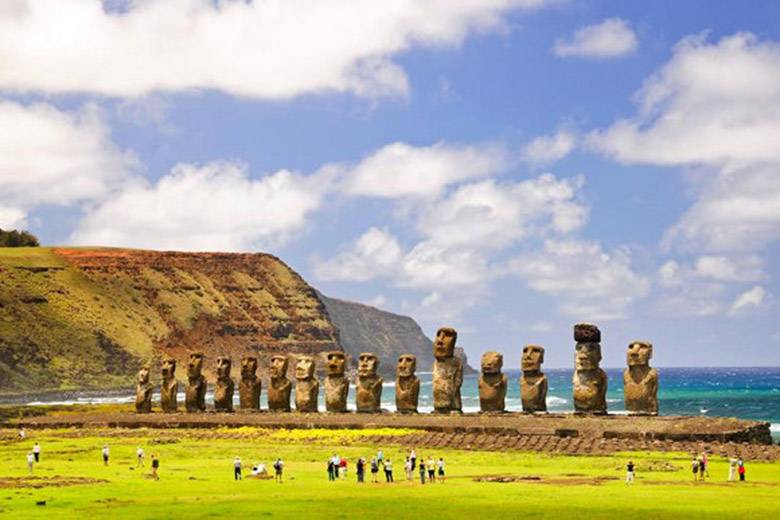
pixel 196 481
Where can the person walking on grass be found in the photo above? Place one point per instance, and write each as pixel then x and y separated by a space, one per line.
pixel 155 467
pixel 37 452
pixel 741 469
pixel 380 457
pixel 139 455
pixel 413 458
pixel 21 434
pixel 388 470
pixel 422 471
pixel 343 469
pixel 440 467
pixel 278 469
pixel 630 472
pixel 705 464
pixel 331 469
pixel 431 465
pixel 105 455
pixel 695 467
pixel 374 470
pixel 237 468
pixel 30 460
pixel 408 468
pixel 360 468
pixel 732 469
pixel 702 466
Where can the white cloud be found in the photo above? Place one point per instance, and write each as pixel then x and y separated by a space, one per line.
pixel 589 282
pixel 377 301
pixel 216 207
pixel 751 298
pixel 609 39
pixel 402 170
pixel 548 149
pixel 51 157
pixel 743 269
pixel 374 253
pixel 270 50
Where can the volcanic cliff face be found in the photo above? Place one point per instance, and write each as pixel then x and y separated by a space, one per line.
pixel 88 318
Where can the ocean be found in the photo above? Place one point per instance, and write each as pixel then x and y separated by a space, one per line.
pixel 748 393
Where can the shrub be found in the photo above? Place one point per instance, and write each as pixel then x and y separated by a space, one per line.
pixel 14 238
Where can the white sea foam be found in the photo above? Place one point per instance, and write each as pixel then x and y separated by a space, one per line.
pixel 556 401
pixel 774 427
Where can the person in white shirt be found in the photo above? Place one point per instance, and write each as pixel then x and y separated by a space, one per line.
pixel 440 466
pixel 139 454
pixel 37 452
pixel 30 460
pixel 413 458
pixel 408 468
pixel 732 469
pixel 105 455
pixel 237 468
pixel 21 434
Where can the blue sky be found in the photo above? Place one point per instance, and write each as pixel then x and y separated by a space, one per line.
pixel 507 167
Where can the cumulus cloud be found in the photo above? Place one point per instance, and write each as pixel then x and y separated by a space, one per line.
pixel 548 149
pixel 722 268
pixel 269 50
pixel 215 207
pixel 609 39
pixel 52 157
pixel 374 253
pixel 752 298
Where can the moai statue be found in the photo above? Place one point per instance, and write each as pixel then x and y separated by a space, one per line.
pixel 589 381
pixel 492 383
pixel 195 396
pixel 369 384
pixel 307 388
pixel 170 387
pixel 447 372
pixel 280 387
pixel 143 392
pixel 249 386
pixel 640 382
pixel 223 392
pixel 533 382
pixel 407 384
pixel 336 383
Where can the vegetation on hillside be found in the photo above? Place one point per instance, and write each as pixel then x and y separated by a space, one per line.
pixel 14 238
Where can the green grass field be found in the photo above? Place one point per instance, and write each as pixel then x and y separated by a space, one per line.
pixel 196 481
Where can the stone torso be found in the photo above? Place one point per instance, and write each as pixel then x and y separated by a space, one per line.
pixel 168 392
pixel 306 393
pixel 195 396
pixel 492 392
pixel 223 395
pixel 447 380
pixel 407 393
pixel 533 392
pixel 336 390
pixel 143 398
pixel 640 390
pixel 249 393
pixel 590 391
pixel 279 394
pixel 368 396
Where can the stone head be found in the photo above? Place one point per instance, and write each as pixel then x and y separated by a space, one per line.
pixel 143 376
pixel 279 366
pixel 367 364
pixel 224 364
pixel 195 365
pixel 407 365
pixel 444 344
pixel 587 356
pixel 304 368
pixel 639 353
pixel 248 367
pixel 533 357
pixel 492 363
pixel 337 363
pixel 168 368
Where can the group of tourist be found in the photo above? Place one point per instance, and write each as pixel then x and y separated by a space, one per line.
pixel 429 470
pixel 259 470
pixel 700 465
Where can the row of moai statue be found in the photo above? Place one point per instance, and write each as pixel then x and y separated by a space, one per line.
pixel 589 381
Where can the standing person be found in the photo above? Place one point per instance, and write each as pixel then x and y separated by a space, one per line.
pixel 278 468
pixel 21 434
pixel 732 469
pixel 388 471
pixel 30 460
pixel 695 467
pixel 431 465
pixel 139 455
pixel 105 455
pixel 331 475
pixel 155 467
pixel 440 466
pixel 343 469
pixel 705 465
pixel 630 472
pixel 237 468
pixel 741 469
pixel 360 467
pixel 422 471
pixel 413 458
pixel 374 469
pixel 37 452
pixel 408 468
pixel 380 457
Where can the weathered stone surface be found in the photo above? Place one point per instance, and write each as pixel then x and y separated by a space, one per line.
pixel 143 392
pixel 170 387
pixel 589 381
pixel 368 395
pixel 280 387
pixel 533 383
pixel 587 333
pixel 307 388
pixel 336 383
pixel 447 372
pixel 195 395
pixel 407 384
pixel 492 383
pixel 223 392
pixel 249 387
pixel 640 381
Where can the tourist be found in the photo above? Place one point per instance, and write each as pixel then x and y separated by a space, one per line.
pixel 695 467
pixel 278 468
pixel 360 467
pixel 139 455
pixel 431 465
pixel 388 471
pixel 155 467
pixel 30 460
pixel 237 468
pixel 259 470
pixel 705 465
pixel 331 469
pixel 37 452
pixel 741 469
pixel 408 468
pixel 422 471
pixel 440 465
pixel 374 470
pixel 380 457
pixel 732 469
pixel 21 434
pixel 343 469
pixel 413 458
pixel 630 472
pixel 105 455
